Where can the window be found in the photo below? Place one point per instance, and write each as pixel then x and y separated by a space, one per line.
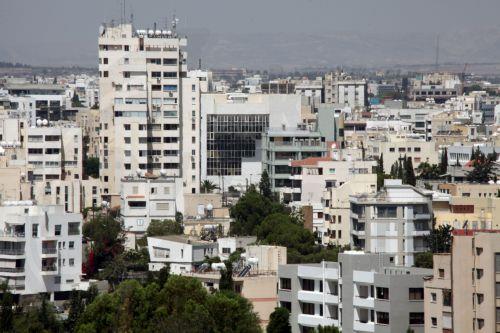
pixel 441 273
pixel 137 204
pixel 71 262
pixel 162 206
pixel 387 212
pixel 106 74
pixel 285 283
pixel 416 294
pixel 286 305
pixel 307 308
pixel 73 228
pixel 140 222
pixel 226 250
pixel 498 315
pixel 127 140
pixel 383 318
pixel 416 318
pixel 497 262
pixel 433 297
pixel 57 230
pixel 166 190
pixel 34 230
pixel 382 293
pixel 71 245
pixel 447 297
pixel 57 280
pixel 307 284
pixel 480 273
pixel 480 323
pixel 480 298
pixel 126 127
pixel 434 321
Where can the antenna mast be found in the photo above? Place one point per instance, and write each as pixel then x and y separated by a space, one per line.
pixel 437 52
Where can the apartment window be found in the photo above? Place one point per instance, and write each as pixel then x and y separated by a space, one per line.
pixel 166 190
pixel 497 289
pixel 193 166
pixel 480 298
pixel 497 262
pixel 433 297
pixel 416 294
pixel 383 318
pixel 307 308
pixel 137 204
pixel 73 228
pixel 127 140
pixel 126 127
pixel 382 293
pixel 480 323
pixel 34 230
pixel 285 283
pixel 156 75
pixel 416 318
pixel 193 126
pixel 71 245
pixel 479 273
pixel 126 75
pixel 105 74
pixel 193 139
pixel 498 315
pixel 57 280
pixel 162 206
pixel 169 74
pixel 140 222
pixel 441 273
pixel 105 61
pixel 434 321
pixel 447 297
pixel 127 166
pixel 307 284
pixel 286 305
pixel 387 212
pixel 71 262
pixel 126 47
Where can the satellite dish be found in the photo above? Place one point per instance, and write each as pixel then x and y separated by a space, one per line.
pixel 139 172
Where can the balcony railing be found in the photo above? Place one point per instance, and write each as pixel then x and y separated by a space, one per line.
pixel 12 269
pixel 49 268
pixel 49 250
pixel 12 234
pixel 12 252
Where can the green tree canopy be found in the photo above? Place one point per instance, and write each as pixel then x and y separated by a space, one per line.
pixel 439 239
pixel 250 210
pixel 424 260
pixel 265 185
pixel 181 305
pixel 279 321
pixel 207 186
pixel 164 228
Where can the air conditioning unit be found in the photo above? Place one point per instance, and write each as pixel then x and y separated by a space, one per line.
pixel 170 94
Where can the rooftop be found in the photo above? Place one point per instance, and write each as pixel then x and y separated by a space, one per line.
pixel 184 239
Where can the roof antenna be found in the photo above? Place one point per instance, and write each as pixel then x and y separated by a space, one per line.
pixel 437 52
pixel 175 20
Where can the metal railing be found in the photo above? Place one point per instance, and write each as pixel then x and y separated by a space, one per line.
pixel 12 269
pixel 12 252
pixel 49 250
pixel 49 268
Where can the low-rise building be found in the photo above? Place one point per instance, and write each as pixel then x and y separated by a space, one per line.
pixel 394 220
pixel 183 253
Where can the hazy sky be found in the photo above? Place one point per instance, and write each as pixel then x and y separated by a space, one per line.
pixel 65 31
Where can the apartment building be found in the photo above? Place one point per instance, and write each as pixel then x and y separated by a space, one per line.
pixel 149 106
pixel 438 86
pixel 394 220
pixel 40 248
pixel 55 152
pixel 50 100
pixel 361 293
pixel 231 132
pixel 143 199
pixel 337 207
pixel 343 90
pixel 395 147
pixel 89 121
pixel 182 253
pixel 280 145
pixel 462 294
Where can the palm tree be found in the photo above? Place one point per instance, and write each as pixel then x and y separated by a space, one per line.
pixel 207 186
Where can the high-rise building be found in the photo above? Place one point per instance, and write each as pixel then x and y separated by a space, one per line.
pixel 149 107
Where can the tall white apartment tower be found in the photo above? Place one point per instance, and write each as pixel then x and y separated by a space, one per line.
pixel 149 107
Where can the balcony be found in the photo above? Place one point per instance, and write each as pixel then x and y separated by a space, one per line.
pixel 310 296
pixel 12 252
pixel 364 326
pixel 316 320
pixel 420 216
pixel 11 271
pixel 12 235
pixel 49 250
pixel 367 302
pixel 49 269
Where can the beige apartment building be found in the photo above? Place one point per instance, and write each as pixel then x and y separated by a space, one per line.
pixel 338 208
pixel 395 146
pixel 463 294
pixel 149 107
pixel 89 121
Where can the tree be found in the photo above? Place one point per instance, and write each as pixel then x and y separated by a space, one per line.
pixel 76 308
pixel 91 167
pixel 424 260
pixel 164 228
pixel 409 173
pixel 6 308
pixel 265 185
pixel 279 321
pixel 400 174
pixel 250 210
pixel 439 239
pixel 115 271
pixel 482 168
pixel 107 237
pixel 207 186
pixel 75 101
pixel 328 329
pixel 226 277
pixel 443 164
pixel 428 172
pixel 381 176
